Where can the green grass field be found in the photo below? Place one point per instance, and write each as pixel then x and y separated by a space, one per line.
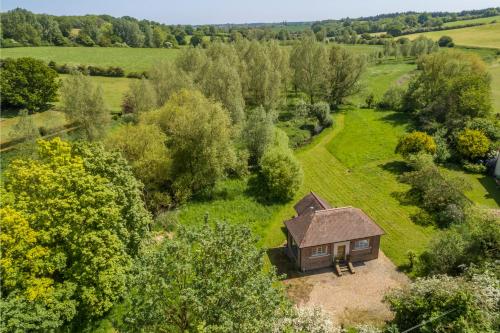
pixel 481 36
pixel 485 20
pixel 130 59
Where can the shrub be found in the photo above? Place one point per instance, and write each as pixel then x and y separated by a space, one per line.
pixel 472 144
pixel 281 174
pixel 370 100
pixel 475 167
pixel 442 150
pixel 445 41
pixel 416 142
pixel 321 111
pixel 392 99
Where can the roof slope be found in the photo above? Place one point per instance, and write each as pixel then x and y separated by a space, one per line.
pixel 311 201
pixel 331 225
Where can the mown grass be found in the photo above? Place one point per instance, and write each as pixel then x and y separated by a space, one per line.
pixel 487 35
pixel 48 119
pixel 485 20
pixel 130 59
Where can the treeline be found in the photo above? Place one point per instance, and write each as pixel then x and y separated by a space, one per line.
pixel 24 28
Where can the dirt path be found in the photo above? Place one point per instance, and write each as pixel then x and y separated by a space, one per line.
pixel 351 299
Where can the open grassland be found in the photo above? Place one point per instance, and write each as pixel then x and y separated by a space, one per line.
pixel 113 91
pixel 480 36
pixel 486 20
pixel 130 59
pixel 362 48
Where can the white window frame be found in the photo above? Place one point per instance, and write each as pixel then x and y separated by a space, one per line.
pixel 319 251
pixel 364 247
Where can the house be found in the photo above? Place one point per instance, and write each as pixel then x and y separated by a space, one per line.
pixel 321 236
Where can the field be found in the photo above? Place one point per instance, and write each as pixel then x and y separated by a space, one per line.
pixel 487 35
pixel 485 20
pixel 130 59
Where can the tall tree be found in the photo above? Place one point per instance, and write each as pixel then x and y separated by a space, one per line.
pixel 70 222
pixel 141 97
pixel 83 104
pixel 199 136
pixel 345 70
pixel 167 79
pixel 309 62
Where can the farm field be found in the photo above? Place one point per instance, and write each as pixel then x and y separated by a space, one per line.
pixel 487 35
pixel 130 59
pixel 473 21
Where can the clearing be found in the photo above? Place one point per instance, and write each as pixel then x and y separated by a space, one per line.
pixel 341 296
pixel 487 35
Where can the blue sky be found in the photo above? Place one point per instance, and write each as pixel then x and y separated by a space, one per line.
pixel 234 11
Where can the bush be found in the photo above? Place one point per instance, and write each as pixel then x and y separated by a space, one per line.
pixel 370 101
pixel 281 174
pixel 416 142
pixel 474 167
pixel 137 75
pixel 472 144
pixel 445 41
pixel 392 99
pixel 442 150
pixel 321 111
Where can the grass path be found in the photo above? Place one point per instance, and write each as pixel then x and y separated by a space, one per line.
pixel 369 187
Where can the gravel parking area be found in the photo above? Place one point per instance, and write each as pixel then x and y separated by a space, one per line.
pixel 351 298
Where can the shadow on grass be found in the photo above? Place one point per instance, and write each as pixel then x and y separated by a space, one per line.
pixel 397 118
pixel 395 167
pixel 491 186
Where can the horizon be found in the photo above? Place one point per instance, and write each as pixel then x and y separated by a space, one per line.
pixel 172 13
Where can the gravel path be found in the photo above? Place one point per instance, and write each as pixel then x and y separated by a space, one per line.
pixel 351 298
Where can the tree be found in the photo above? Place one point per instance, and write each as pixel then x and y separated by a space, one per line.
pixel 450 89
pixel 144 147
pixel 199 137
pixel 447 304
pixel 27 83
pixel 196 39
pixel 141 97
pixel 207 278
pixel 84 106
pixel 445 41
pixel 71 220
pixel 166 80
pixel 258 133
pixel 26 130
pixel 221 82
pixel 345 70
pixel 281 174
pixel 416 142
pixel 472 144
pixel 309 62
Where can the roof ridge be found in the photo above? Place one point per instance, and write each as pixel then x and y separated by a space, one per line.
pixel 318 199
pixel 335 208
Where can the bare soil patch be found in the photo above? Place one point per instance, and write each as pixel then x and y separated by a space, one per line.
pixel 351 298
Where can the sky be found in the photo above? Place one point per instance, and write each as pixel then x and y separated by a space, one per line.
pixel 247 11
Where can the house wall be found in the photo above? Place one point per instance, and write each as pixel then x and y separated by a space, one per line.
pixel 308 262
pixel 368 254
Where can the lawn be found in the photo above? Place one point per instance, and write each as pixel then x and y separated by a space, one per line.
pixel 487 35
pixel 473 21
pixel 130 59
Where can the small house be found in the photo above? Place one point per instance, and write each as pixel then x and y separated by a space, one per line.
pixel 321 236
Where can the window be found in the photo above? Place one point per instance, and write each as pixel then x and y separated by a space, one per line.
pixel 321 250
pixel 361 244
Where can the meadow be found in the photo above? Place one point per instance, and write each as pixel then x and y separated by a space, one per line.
pixel 487 35
pixel 485 20
pixel 130 59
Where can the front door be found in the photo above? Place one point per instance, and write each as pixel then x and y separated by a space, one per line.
pixel 340 252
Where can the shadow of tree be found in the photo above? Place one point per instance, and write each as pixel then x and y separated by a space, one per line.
pixel 395 167
pixel 491 186
pixel 398 118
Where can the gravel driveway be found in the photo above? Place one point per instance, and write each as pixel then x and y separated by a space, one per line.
pixel 351 298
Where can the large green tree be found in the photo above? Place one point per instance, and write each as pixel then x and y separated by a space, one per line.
pixel 27 83
pixel 199 137
pixel 209 279
pixel 309 63
pixel 450 89
pixel 71 220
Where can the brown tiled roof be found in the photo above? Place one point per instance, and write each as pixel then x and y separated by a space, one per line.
pixel 311 201
pixel 317 227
